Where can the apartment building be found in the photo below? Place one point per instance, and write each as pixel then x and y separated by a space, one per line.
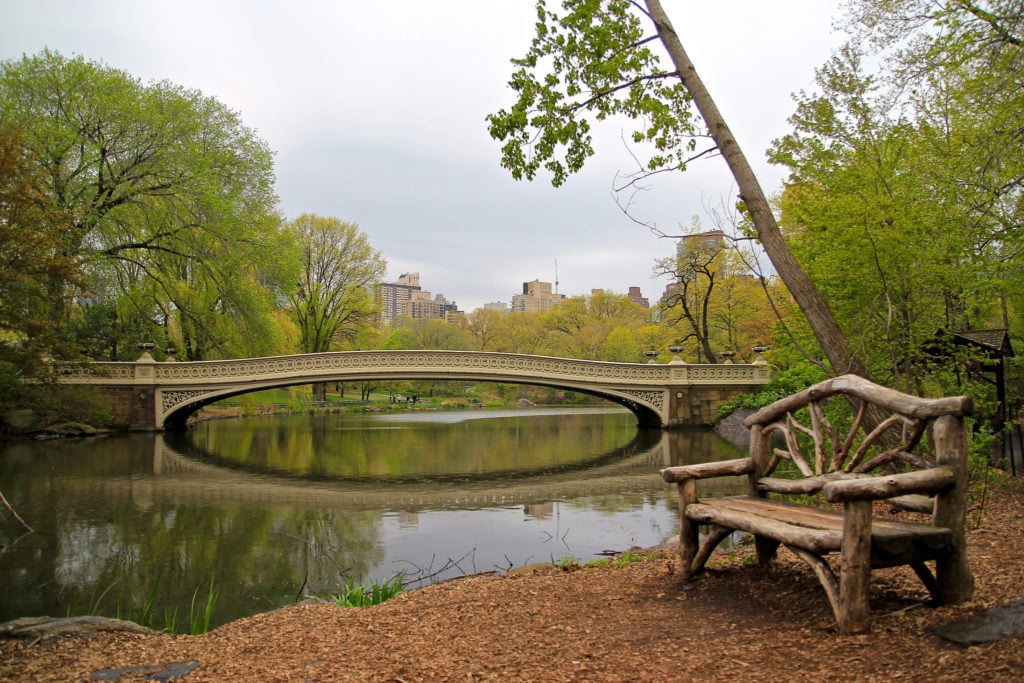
pixel 536 296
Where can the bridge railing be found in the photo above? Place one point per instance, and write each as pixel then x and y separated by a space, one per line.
pixel 314 365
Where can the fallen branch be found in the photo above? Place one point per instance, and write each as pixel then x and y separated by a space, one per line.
pixel 15 514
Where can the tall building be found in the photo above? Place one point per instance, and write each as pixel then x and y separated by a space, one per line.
pixel 637 297
pixel 536 296
pixel 421 305
pixel 394 294
pixel 407 298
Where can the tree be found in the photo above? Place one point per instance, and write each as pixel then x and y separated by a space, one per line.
pixel 30 257
pixel 335 297
pixel 621 346
pixel 695 272
pixel 167 199
pixel 483 327
pixel 426 333
pixel 579 327
pixel 594 61
pixel 905 196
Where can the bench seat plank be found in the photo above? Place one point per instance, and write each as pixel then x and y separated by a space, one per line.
pixel 820 530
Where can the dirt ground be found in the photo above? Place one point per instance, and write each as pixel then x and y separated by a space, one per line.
pixel 635 623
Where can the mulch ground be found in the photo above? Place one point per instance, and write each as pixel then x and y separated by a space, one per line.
pixel 636 623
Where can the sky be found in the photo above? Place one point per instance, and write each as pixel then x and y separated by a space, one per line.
pixel 376 113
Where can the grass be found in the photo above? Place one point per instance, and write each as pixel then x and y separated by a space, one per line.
pixel 361 595
pixel 617 562
pixel 147 614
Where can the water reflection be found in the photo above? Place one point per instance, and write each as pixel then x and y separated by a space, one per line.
pixel 119 518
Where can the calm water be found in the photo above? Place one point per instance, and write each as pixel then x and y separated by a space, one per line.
pixel 272 510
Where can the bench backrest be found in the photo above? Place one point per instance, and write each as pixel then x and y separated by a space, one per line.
pixel 889 431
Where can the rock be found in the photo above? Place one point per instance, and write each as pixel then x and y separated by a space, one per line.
pixel 44 628
pixel 71 429
pixel 153 672
pixel 734 431
pixel 23 421
pixel 991 626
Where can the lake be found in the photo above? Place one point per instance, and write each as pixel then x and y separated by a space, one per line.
pixel 270 510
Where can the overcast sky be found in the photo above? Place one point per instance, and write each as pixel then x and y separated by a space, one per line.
pixel 376 113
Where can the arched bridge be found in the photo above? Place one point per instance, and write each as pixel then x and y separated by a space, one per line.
pixel 150 395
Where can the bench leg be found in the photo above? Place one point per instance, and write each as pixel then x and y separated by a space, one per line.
pixel 928 579
pixel 716 534
pixel 825 575
pixel 766 548
pixel 855 575
pixel 689 532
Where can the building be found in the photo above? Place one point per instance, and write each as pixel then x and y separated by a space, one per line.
pixel 407 298
pixel 499 306
pixel 536 296
pixel 420 304
pixel 394 294
pixel 637 297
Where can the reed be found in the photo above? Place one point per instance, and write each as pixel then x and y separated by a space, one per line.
pixel 361 595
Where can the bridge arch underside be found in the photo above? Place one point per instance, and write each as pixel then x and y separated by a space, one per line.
pixel 182 402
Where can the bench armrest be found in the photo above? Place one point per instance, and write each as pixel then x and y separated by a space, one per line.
pixel 708 470
pixel 927 481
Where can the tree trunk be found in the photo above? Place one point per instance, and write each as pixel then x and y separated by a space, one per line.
pixel 826 330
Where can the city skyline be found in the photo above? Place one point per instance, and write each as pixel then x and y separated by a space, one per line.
pixel 397 294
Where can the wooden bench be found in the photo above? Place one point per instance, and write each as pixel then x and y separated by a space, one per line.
pixel 914 456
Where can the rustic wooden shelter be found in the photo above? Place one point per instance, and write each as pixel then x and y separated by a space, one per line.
pixel 993 346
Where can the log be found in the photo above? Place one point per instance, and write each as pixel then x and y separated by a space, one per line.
pixel 929 481
pixel 852 385
pixel 855 572
pixel 689 534
pixel 707 470
pixel 913 503
pixel 825 575
pixel 804 485
pixel 893 542
pixel 819 541
pixel 953 574
pixel 716 534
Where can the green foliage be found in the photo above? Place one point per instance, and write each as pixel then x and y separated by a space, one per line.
pixel 619 561
pixel 361 595
pixel 55 403
pixel 12 391
pixel 335 298
pixel 587 64
pixel 904 196
pixel 201 614
pixel 33 271
pixel 782 384
pixel 148 614
pixel 166 202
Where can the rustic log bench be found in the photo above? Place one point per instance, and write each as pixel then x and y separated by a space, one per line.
pixel 914 456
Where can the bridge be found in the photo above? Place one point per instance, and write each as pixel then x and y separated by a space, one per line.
pixel 151 395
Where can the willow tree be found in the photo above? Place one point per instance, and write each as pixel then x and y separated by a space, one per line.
pixel 597 59
pixel 167 197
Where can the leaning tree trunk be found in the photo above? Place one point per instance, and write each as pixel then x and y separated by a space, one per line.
pixel 826 330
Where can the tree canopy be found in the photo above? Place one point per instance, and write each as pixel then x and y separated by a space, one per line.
pixel 336 293
pixel 166 199
pixel 905 192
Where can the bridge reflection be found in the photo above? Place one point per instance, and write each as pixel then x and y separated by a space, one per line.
pixel 178 476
